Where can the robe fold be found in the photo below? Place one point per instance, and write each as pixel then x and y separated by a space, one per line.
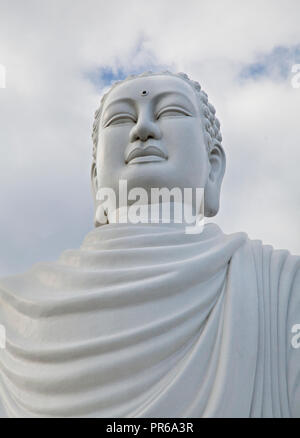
pixel 147 321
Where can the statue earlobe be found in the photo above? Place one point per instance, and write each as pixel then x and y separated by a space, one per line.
pixel 212 190
pixel 94 181
pixel 100 217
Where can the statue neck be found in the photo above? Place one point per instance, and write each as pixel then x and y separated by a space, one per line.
pixel 159 213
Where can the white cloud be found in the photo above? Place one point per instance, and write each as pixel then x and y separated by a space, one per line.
pixel 47 110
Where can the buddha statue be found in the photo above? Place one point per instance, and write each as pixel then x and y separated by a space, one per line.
pixel 146 319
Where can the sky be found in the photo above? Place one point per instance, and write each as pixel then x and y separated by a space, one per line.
pixel 59 56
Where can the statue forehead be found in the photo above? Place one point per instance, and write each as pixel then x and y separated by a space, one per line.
pixel 145 88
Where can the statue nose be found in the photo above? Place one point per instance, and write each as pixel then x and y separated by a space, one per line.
pixel 143 130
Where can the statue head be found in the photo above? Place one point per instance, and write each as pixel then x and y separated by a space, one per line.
pixel 158 130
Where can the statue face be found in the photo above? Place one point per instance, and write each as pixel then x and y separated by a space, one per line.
pixel 151 135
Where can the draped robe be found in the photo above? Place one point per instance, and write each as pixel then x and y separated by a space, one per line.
pixel 147 321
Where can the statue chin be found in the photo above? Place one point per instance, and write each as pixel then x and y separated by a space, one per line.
pixel 151 319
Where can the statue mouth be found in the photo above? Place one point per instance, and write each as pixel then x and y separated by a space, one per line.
pixel 148 154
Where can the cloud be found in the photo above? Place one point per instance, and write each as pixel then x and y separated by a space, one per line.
pixel 276 64
pixel 60 54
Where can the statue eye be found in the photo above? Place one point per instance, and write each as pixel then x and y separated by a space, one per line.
pixel 120 119
pixel 173 112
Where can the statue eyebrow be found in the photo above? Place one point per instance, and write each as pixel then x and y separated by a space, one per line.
pixel 122 100
pixel 171 94
pixel 156 98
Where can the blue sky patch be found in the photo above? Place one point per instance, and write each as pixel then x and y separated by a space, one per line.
pixel 277 64
pixel 139 60
pixel 105 76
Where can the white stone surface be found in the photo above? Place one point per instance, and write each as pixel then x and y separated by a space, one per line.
pixel 145 320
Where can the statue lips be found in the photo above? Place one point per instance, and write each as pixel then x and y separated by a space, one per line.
pixel 148 154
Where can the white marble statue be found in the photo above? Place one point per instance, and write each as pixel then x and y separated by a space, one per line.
pixel 146 320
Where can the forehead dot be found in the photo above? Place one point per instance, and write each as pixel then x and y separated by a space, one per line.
pixel 144 93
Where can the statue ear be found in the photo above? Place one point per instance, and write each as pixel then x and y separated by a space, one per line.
pixel 100 217
pixel 217 160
